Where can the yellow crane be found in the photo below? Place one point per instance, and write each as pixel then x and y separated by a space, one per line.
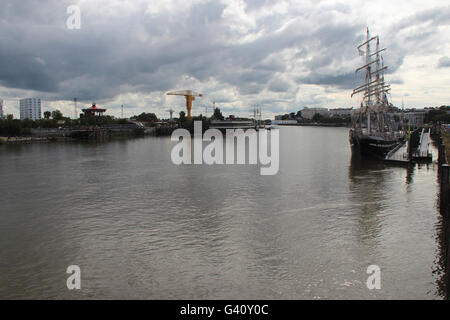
pixel 189 95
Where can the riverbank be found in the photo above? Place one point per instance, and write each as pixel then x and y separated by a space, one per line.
pixel 75 133
pixel 446 142
pixel 15 140
pixel 314 124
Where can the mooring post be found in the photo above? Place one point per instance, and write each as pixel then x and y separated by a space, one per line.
pixel 444 190
pixel 410 148
pixel 445 212
pixel 444 154
pixel 442 157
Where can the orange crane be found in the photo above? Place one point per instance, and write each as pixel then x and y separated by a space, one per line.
pixel 189 95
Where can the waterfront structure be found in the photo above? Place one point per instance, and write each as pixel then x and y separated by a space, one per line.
pixel 1 109
pixel 308 113
pixel 340 112
pixel 414 118
pixel 284 122
pixel 30 108
pixel 287 116
pixel 232 124
pixel 92 111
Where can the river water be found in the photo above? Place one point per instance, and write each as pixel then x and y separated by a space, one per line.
pixel 141 227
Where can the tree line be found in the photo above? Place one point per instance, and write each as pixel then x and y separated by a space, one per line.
pixel 55 119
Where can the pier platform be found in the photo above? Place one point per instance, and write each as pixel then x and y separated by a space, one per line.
pixel 398 155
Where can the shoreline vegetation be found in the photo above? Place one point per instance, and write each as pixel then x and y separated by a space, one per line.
pixel 55 127
pixel 446 141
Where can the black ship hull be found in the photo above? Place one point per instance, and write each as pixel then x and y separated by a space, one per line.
pixel 372 146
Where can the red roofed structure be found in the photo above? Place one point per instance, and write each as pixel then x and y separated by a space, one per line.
pixel 93 111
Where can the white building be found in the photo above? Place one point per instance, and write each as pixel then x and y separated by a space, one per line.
pixel 30 108
pixel 1 109
pixel 415 118
pixel 308 113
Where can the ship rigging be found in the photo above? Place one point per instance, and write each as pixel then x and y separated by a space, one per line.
pixel 371 133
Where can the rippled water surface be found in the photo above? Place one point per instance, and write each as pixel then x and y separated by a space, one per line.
pixel 140 227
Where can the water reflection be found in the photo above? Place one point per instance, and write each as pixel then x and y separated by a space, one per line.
pixel 368 191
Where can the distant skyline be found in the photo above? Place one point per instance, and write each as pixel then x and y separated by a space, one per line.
pixel 281 55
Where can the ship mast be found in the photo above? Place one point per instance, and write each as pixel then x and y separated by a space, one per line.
pixel 374 87
pixel 368 80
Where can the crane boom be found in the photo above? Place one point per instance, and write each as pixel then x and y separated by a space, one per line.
pixel 189 95
pixel 184 93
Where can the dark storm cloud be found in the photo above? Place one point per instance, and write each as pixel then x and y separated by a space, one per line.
pixel 345 81
pixel 279 85
pixel 130 50
pixel 432 17
pixel 444 62
pixel 418 33
pixel 107 52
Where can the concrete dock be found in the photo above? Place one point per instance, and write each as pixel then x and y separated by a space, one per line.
pixel 401 155
pixel 398 155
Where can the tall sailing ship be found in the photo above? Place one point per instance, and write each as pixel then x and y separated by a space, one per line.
pixel 372 134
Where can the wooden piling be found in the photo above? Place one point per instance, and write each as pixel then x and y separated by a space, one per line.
pixel 444 194
pixel 444 199
pixel 442 158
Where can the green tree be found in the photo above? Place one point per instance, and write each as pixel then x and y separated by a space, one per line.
pixel 318 118
pixel 47 114
pixel 217 115
pixel 27 123
pixel 146 117
pixel 13 127
pixel 199 118
pixel 57 115
pixel 182 116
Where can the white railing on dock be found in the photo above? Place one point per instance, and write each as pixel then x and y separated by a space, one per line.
pixel 423 151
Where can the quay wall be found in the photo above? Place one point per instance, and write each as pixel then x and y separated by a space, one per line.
pixel 443 144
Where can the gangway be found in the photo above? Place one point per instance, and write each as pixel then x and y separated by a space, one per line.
pixel 399 154
pixel 423 151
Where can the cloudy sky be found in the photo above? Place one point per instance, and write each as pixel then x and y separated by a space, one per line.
pixel 282 55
